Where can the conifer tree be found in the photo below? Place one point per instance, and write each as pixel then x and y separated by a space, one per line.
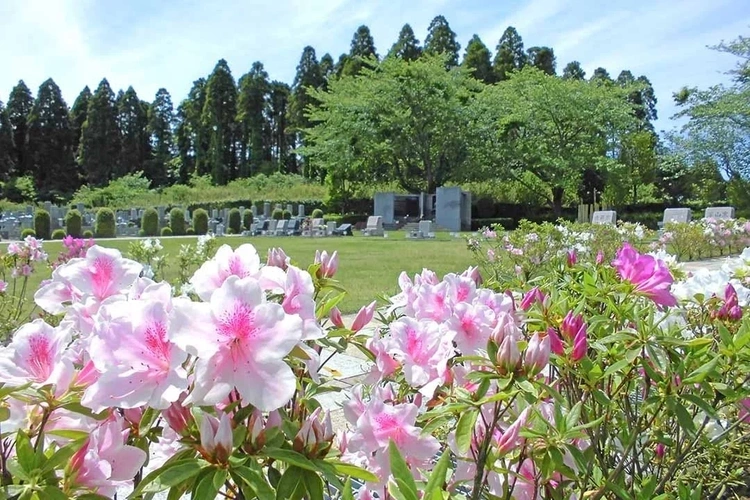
pixel 477 60
pixel 218 118
pixel 160 122
pixel 509 54
pixel 407 46
pixel 252 108
pixel 19 106
pixel 99 148
pixel 134 139
pixel 441 39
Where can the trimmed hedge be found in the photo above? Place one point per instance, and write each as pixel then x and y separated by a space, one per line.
pixel 88 234
pixel 27 232
pixel 177 221
pixel 234 223
pixel 286 215
pixel 42 224
pixel 200 221
pixel 73 223
pixel 190 231
pixel 58 234
pixel 317 214
pixel 150 222
pixel 277 214
pixel 345 218
pixel 247 219
pixel 506 222
pixel 166 231
pixel 104 226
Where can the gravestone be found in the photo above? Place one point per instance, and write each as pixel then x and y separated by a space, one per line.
pixel 267 210
pixel 290 208
pixel 214 214
pixel 300 210
pixel 220 230
pixel 681 215
pixel 162 212
pixel 48 206
pixel 81 208
pixel 212 226
pixel 254 211
pixel 720 213
pixel 452 208
pixel 385 206
pixel 607 217
pixel 133 214
pixel 29 210
pixel 224 215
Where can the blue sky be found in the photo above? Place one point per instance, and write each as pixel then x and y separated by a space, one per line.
pixel 169 43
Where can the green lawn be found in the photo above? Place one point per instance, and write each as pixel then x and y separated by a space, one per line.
pixel 367 266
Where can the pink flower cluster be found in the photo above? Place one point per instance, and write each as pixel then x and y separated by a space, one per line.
pixel 74 248
pixel 650 275
pixel 24 254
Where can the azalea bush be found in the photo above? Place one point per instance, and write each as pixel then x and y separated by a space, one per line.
pixel 16 267
pixel 705 238
pixel 147 252
pixel 190 258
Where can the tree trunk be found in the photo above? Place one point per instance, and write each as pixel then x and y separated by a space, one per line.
pixel 557 200
pixel 635 193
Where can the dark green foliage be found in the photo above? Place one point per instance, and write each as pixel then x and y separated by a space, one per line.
pixel 141 233
pixel 150 222
pixel 441 39
pixel 78 114
pixel 308 75
pixel 218 119
pixel 477 60
pixel 166 231
pixel 88 234
pixel 277 214
pixel 362 48
pixel 132 118
pixel 177 221
pixel 191 137
pixel 282 139
pixel 327 66
pixel 287 215
pixel 235 221
pixel 27 232
pixel 510 56
pixel 160 122
pixel 601 76
pixel 7 157
pixel 542 58
pixel 58 234
pixel 42 224
pixel 19 107
pixel 317 214
pixel 104 226
pixel 190 231
pixel 200 221
pixel 247 219
pixel 252 109
pixel 574 71
pixel 50 143
pixel 407 46
pixel 99 148
pixel 73 222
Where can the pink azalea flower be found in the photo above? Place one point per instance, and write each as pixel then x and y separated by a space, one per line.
pixel 531 297
pixel 315 437
pixel 56 294
pixel 473 274
pixel 336 318
pixel 574 330
pixel 3 286
pixel 385 364
pixel 505 326
pixel 731 309
pixel 599 258
pixel 650 276
pixel 572 258
pixel 102 273
pixel 461 288
pixel 139 366
pixel 423 351
pixel 37 354
pixel 298 300
pixel 508 355
pixel 329 264
pixel 277 258
pixel 240 340
pixel 243 262
pixel 555 343
pixel 510 439
pixel 104 462
pixel 364 316
pixel 433 302
pixel 473 325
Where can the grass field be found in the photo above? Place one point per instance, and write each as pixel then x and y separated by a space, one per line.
pixel 367 266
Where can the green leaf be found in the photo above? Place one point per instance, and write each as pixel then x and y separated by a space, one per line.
pixel 289 457
pixel 69 434
pixel 700 403
pixel 207 487
pixel 700 374
pixel 401 473
pixel 434 488
pixel 573 416
pixel 726 337
pixel 618 490
pixel 355 472
pixel 346 493
pixel 290 485
pixel 25 453
pixel 170 474
pixel 465 430
pixel 313 485
pixel 55 493
pixel 683 416
pixel 616 367
pixel 256 480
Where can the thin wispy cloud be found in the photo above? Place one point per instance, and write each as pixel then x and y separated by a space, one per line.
pixel 171 43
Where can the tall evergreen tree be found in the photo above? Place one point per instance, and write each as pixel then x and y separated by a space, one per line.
pixel 327 66
pixel 649 98
pixel 219 113
pixel 407 46
pixel 542 58
pixel 252 108
pixel 7 162
pixel 78 116
pixel 50 143
pixel 573 71
pixel 281 138
pixel 642 99
pixel 362 47
pixel 134 140
pixel 99 148
pixel 20 103
pixel 509 55
pixel 601 75
pixel 477 60
pixel 160 122
pixel 308 75
pixel 191 135
pixel 441 39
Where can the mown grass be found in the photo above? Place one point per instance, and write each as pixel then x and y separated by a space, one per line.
pixel 368 267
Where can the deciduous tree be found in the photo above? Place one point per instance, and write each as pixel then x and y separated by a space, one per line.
pixel 573 71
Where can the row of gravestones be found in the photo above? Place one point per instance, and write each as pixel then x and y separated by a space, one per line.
pixel 670 215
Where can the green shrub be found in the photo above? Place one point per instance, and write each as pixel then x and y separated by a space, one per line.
pixel 166 231
pixel 277 214
pixel 317 214
pixel 141 233
pixel 88 234
pixel 42 224
pixel 506 222
pixel 287 215
pixel 58 234
pixel 235 221
pixel 230 231
pixel 150 222
pixel 104 226
pixel 73 223
pixel 190 231
pixel 177 221
pixel 200 221
pixel 247 219
pixel 27 232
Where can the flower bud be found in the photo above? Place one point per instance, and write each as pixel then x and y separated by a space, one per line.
pixel 216 438
pixel 571 325
pixel 531 297
pixel 572 258
pixel 510 438
pixel 580 345
pixel 364 316
pixel 315 438
pixel 659 450
pixel 336 318
pixel 256 437
pixel 473 273
pixel 179 417
pixel 277 258
pixel 537 354
pixel 508 355
pixel 555 343
pixel 329 264
pixel 599 258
